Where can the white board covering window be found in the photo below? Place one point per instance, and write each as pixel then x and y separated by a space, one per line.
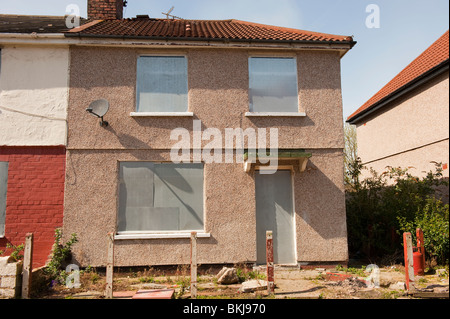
pixel 160 197
pixel 3 186
pixel 273 85
pixel 162 84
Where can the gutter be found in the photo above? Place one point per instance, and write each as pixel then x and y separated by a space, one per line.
pixel 125 37
pixel 421 79
pixel 33 35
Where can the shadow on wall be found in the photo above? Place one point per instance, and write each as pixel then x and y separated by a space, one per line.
pixel 320 202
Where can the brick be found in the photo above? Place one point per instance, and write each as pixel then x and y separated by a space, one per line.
pixel 11 269
pixel 7 293
pixel 8 282
pixel 35 195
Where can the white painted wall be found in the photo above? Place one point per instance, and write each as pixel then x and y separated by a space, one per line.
pixel 33 95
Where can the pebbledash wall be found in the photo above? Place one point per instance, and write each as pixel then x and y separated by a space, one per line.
pixel 218 96
pixel 423 114
pixel 33 110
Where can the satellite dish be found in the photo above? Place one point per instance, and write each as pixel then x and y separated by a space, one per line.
pixel 99 108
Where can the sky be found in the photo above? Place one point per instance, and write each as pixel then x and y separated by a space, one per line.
pixel 406 28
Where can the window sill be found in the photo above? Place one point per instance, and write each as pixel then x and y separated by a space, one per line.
pixel 274 114
pixel 169 235
pixel 162 114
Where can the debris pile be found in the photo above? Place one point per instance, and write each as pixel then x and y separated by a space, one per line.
pixel 227 276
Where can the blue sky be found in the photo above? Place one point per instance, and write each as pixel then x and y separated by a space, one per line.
pixel 407 28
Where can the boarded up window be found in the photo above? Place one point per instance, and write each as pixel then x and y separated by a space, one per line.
pixel 3 186
pixel 160 197
pixel 162 84
pixel 273 84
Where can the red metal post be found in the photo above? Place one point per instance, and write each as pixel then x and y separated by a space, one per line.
pixel 270 266
pixel 421 245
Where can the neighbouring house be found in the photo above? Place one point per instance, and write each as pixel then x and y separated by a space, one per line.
pixel 177 82
pixel 406 123
pixel 34 64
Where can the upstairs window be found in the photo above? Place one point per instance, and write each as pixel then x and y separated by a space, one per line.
pixel 162 84
pixel 273 85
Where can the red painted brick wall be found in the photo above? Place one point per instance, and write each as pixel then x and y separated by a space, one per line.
pixel 105 9
pixel 34 198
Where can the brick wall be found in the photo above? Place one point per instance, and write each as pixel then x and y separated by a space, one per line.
pixel 10 278
pixel 105 9
pixel 35 197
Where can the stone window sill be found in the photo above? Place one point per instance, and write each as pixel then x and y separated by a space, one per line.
pixel 274 114
pixel 161 114
pixel 168 235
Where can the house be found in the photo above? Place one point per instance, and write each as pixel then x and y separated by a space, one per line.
pixel 406 123
pixel 34 61
pixel 178 85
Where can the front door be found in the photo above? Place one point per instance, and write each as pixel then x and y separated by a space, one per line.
pixel 275 212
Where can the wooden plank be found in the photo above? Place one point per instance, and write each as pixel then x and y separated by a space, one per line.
pixel 154 294
pixel 110 267
pixel 270 265
pixel 302 164
pixel 27 266
pixel 409 261
pixel 431 295
pixel 194 265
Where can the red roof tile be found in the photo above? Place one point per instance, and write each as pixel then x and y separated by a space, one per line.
pixel 435 55
pixel 202 29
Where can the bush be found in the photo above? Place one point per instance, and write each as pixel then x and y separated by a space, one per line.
pixel 60 255
pixel 433 219
pixel 379 208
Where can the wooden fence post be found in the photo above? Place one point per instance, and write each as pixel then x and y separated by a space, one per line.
pixel 110 267
pixel 409 261
pixel 27 266
pixel 194 265
pixel 270 265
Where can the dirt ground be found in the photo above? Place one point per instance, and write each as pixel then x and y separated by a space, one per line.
pixel 291 283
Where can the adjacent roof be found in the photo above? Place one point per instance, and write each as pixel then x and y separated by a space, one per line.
pixel 144 27
pixel 435 57
pixel 10 23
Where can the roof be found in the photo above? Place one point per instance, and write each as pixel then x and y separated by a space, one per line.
pixel 201 30
pixel 10 23
pixel 437 55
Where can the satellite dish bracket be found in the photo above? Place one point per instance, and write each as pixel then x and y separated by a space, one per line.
pixel 99 106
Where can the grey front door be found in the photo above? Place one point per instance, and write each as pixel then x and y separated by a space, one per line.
pixel 275 212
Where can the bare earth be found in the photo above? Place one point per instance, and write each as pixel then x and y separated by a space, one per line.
pixel 291 283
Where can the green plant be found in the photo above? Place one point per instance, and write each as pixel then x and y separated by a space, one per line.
pixel 60 254
pixel 245 275
pixel 394 294
pixel 444 273
pixel 380 205
pixel 94 278
pixel 356 271
pixel 433 219
pixel 147 279
pixel 15 254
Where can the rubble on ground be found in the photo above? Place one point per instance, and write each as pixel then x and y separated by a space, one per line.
pixel 227 276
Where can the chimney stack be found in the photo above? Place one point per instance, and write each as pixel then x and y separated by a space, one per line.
pixel 105 9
